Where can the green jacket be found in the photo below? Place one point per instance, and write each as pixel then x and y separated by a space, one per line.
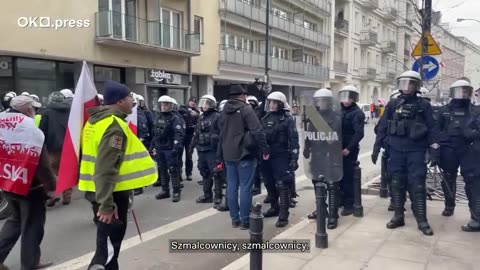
pixel 109 158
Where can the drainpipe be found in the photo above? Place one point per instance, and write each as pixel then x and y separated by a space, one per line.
pixel 189 29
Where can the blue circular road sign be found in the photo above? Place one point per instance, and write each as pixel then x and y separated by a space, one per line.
pixel 430 68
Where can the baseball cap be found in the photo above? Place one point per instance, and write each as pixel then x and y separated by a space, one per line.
pixel 20 102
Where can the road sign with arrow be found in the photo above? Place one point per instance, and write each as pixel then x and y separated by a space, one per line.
pixel 430 68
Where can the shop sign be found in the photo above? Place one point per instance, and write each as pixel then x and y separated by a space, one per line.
pixel 160 76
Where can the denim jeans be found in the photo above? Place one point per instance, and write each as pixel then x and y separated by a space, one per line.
pixel 240 174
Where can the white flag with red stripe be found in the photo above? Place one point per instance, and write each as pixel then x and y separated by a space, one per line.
pixel 132 119
pixel 85 98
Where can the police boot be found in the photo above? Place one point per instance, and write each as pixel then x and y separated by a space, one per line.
pixel 272 194
pixel 175 184
pixel 449 186
pixel 474 201
pixel 398 200
pixel 207 196
pixel 468 191
pixel 224 206
pixel 165 193
pixel 284 204
pixel 293 194
pixel 217 191
pixel 418 195
pixel 332 206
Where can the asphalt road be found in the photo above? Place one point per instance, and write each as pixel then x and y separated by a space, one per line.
pixel 70 233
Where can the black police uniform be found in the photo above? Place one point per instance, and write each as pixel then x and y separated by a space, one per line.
pixel 353 123
pixel 167 142
pixel 409 129
pixel 257 182
pixel 188 128
pixel 278 171
pixel 471 171
pixel 205 139
pixel 454 146
pixel 326 161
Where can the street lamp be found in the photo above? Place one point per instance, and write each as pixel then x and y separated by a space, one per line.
pixel 463 19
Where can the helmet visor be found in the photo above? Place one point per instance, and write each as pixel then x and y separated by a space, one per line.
pixel 461 92
pixel 408 85
pixel 206 104
pixel 346 96
pixel 165 106
pixel 273 105
pixel 324 103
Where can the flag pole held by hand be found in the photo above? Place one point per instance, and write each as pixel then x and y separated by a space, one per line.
pixel 136 224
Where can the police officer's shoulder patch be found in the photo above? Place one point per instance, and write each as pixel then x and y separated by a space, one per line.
pixel 116 142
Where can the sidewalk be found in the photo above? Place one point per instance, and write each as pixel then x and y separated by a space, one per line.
pixel 365 243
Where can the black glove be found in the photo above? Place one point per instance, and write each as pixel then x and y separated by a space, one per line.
pixel 293 165
pixel 375 156
pixel 306 154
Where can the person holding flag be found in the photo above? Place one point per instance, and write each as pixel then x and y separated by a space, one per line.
pixel 114 162
pixel 22 150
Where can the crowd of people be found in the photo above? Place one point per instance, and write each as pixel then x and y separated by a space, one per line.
pixel 241 142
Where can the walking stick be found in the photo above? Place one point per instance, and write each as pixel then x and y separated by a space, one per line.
pixel 136 224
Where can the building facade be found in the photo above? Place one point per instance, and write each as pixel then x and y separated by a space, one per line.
pixel 299 46
pixel 156 47
pixel 372 45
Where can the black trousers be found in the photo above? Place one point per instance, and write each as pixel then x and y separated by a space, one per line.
pixel 110 236
pixel 28 220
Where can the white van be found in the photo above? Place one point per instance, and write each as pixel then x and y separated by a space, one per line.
pixel 366 110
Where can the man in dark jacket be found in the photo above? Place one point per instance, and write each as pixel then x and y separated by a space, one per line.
pixel 353 122
pixel 53 123
pixel 28 212
pixel 241 137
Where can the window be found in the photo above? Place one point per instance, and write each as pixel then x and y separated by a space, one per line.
pixel 310 25
pixel 355 58
pixel 279 12
pixel 198 27
pixel 171 25
pixel 310 59
pixel 357 17
pixel 102 73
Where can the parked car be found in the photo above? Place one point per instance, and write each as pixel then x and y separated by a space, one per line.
pixel 366 110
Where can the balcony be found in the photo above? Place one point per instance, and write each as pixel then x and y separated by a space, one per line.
pixel 387 77
pixel 368 38
pixel 389 47
pixel 391 14
pixel 120 30
pixel 341 68
pixel 368 74
pixel 369 4
pixel 229 55
pixel 258 14
pixel 322 5
pixel 341 27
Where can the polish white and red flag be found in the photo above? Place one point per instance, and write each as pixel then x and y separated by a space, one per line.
pixel 132 120
pixel 85 98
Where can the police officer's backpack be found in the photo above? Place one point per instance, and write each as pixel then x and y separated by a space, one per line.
pixel 142 128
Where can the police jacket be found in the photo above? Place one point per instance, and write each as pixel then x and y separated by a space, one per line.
pixel 451 122
pixel 281 134
pixel 353 123
pixel 241 134
pixel 150 122
pixel 408 124
pixel 168 133
pixel 472 130
pixel 207 132
pixel 186 115
pixel 318 141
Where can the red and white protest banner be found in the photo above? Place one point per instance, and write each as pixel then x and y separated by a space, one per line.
pixel 132 120
pixel 85 98
pixel 21 144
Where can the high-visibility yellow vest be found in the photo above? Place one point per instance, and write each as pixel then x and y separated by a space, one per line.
pixel 37 119
pixel 137 168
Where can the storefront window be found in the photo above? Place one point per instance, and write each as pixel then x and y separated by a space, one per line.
pixel 178 95
pixel 66 76
pixel 36 77
pixel 103 73
pixel 6 74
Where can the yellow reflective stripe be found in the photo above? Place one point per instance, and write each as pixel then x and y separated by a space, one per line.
pixel 125 177
pixel 130 157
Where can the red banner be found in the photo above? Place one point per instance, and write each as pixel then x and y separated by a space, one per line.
pixel 20 147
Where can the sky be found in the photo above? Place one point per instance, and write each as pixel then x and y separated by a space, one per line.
pixel 453 9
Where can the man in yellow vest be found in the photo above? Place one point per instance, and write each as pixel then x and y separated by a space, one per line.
pixel 114 162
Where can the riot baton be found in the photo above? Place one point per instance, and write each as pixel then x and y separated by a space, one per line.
pixel 384 177
pixel 357 190
pixel 256 236
pixel 321 236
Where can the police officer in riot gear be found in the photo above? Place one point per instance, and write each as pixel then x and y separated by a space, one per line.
pixel 278 170
pixel 323 151
pixel 167 144
pixel 205 139
pixel 257 183
pixel 6 98
pixel 409 130
pixel 471 171
pixel 451 121
pixel 353 123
